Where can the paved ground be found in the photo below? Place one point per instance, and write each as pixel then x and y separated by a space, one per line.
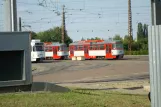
pixel 127 75
pixel 107 70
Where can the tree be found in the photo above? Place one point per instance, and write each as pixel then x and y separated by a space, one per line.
pixel 96 38
pixel 33 35
pixel 140 32
pixel 145 30
pixel 135 46
pixel 54 35
pixel 67 40
pixel 117 37
pixel 143 43
pixel 126 42
pixel 82 39
pixel 126 39
pixel 142 36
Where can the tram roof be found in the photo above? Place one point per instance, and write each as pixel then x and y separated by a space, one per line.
pixel 103 42
pixel 54 44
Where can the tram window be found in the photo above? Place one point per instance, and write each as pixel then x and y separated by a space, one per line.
pixel 80 47
pixel 107 47
pixel 50 48
pixel 102 47
pixel 46 49
pixel 75 48
pixel 60 48
pixel 95 47
pixel 117 46
pixel 38 48
pixel 90 48
pixel 85 47
pixel 71 48
pixel 65 48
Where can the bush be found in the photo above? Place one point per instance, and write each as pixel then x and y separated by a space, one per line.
pixel 141 52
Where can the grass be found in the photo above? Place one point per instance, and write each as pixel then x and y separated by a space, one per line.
pixel 75 98
pixel 34 68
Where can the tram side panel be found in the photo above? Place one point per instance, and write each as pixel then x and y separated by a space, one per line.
pixel 79 53
pixel 102 50
pixel 48 52
pixel 60 52
pixel 118 50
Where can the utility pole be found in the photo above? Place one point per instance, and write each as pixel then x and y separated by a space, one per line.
pixel 155 11
pixel 20 24
pixel 154 40
pixel 10 17
pixel 130 25
pixel 63 25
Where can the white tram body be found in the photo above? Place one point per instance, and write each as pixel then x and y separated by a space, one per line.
pixel 37 50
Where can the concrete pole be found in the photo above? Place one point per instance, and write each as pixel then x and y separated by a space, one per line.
pixel 14 15
pixel 20 24
pixel 154 39
pixel 10 16
pixel 156 12
pixel 7 16
pixel 63 25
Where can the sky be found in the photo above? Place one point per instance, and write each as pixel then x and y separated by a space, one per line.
pixel 84 18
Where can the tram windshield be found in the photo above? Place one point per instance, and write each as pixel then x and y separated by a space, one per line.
pixel 118 46
pixel 63 48
pixel 38 48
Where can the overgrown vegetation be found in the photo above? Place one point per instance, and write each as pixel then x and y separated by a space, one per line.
pixel 140 45
pixel 76 98
pixel 52 35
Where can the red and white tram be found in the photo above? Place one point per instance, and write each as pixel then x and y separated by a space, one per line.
pixel 97 49
pixel 56 50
